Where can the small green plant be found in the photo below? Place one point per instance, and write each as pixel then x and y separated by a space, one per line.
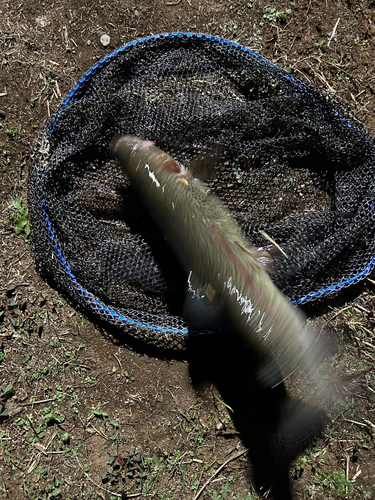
pixel 335 481
pixel 53 418
pixel 367 495
pixel 32 101
pixel 273 15
pixel 135 465
pixel 21 217
pixel 38 430
pixel 50 80
pixel 111 476
pixel 300 467
pixel 26 359
pixel 53 488
pixel 99 413
pixel 12 132
pixel 158 462
pixel 223 494
pixel 319 44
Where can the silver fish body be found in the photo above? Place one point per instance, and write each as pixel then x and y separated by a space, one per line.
pixel 210 244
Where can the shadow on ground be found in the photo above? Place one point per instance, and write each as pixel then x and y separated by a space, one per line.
pixel 274 427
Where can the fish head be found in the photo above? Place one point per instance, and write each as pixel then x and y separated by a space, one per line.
pixel 126 146
pixel 133 152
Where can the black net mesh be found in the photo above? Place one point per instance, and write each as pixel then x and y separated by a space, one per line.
pixel 295 164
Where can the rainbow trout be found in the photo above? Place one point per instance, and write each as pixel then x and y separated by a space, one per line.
pixel 211 246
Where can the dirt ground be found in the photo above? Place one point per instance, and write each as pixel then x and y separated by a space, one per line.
pixel 86 415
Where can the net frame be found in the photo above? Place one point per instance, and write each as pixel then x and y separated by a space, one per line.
pixel 165 336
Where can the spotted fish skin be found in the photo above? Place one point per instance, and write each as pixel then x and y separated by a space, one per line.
pixel 210 244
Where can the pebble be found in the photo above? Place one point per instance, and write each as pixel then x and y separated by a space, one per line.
pixel 105 40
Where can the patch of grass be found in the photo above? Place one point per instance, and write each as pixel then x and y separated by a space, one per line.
pixel 335 481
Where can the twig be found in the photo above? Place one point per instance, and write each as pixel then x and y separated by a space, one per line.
pixel 174 399
pixel 354 422
pixel 173 3
pixel 357 373
pixel 358 473
pixel 3 94
pixel 50 441
pixel 362 309
pixel 339 312
pixel 118 361
pixel 308 9
pixel 43 450
pixel 19 258
pixel 322 78
pixel 367 330
pixel 15 286
pixel 368 355
pixel 37 402
pixel 268 237
pixel 333 32
pixel 239 454
pixel 100 433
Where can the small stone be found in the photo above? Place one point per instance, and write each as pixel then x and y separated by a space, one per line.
pixel 105 40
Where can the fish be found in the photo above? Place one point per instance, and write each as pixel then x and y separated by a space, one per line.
pixel 212 248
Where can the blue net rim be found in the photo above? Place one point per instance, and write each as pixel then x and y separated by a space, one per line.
pixel 111 313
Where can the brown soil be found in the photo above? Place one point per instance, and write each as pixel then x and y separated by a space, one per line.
pixel 91 417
